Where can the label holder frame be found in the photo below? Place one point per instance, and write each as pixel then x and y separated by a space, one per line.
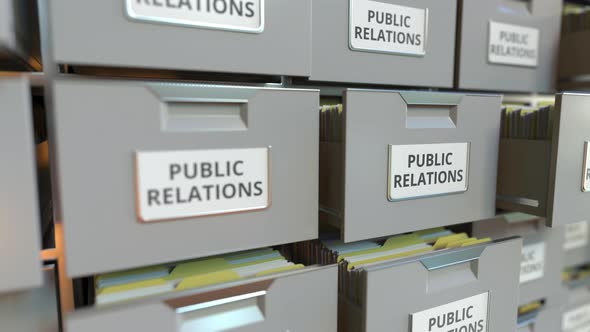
pixel 142 220
pixel 134 18
pixel 389 161
pixel 414 55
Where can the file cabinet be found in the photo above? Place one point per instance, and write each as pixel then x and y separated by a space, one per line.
pixel 548 177
pixel 34 310
pixel 576 244
pixel 248 37
pixel 19 35
pixel 396 42
pixel 541 256
pixel 157 172
pixel 19 212
pixel 382 178
pixel 508 45
pixel 305 300
pixel 429 289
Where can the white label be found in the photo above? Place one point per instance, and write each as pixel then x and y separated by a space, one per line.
pixel 586 174
pixel 513 45
pixel 427 170
pixel 182 184
pixel 532 264
pixel 237 15
pixel 470 314
pixel 576 318
pixel 382 27
pixel 576 235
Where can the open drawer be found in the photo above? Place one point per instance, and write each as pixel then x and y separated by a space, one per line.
pixel 305 300
pixel 399 161
pixel 541 257
pixel 550 177
pixel 422 293
pixel 157 172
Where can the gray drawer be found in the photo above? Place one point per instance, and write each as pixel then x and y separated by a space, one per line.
pixel 542 247
pixel 298 301
pixel 128 33
pixel 415 285
pixel 547 177
pixel 35 310
pixel 113 136
pixel 358 175
pixel 576 245
pixel 19 35
pixel 576 310
pixel 486 37
pixel 19 207
pixel 339 54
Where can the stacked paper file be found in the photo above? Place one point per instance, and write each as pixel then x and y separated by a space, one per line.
pixel 120 286
pixel 527 314
pixel 353 257
pixel 526 122
pixel 331 120
pixel 577 275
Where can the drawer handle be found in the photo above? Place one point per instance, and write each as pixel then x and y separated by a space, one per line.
pixel 226 308
pixel 431 110
pixel 205 115
pixel 454 258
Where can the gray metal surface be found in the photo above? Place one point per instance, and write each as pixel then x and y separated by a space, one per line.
pixel 301 301
pixel 96 177
pixel 99 33
pixel 474 70
pixel 19 212
pixel 334 61
pixel 567 202
pixel 18 34
pixel 415 288
pixel 532 231
pixel 544 177
pixel 34 310
pixel 375 119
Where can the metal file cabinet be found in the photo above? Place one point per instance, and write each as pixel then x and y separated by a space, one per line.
pixel 396 295
pixel 508 45
pixel 269 37
pixel 19 210
pixel 381 129
pixel 34 310
pixel 576 245
pixel 548 177
pixel 339 54
pixel 113 137
pixel 19 35
pixel 305 300
pixel 542 254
